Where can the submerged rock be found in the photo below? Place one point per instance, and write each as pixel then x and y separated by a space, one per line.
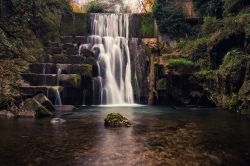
pixel 57 121
pixel 117 120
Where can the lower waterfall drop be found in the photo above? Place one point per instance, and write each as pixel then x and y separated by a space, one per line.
pixel 109 42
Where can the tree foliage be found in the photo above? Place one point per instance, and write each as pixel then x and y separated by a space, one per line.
pixel 213 8
pixel 170 18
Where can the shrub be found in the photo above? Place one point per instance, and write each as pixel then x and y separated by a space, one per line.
pixel 170 18
pixel 233 7
pixel 233 61
pixel 96 7
pixel 212 8
pixel 147 26
pixel 180 65
pixel 212 25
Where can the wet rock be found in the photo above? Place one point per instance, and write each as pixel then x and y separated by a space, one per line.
pixel 116 120
pixel 51 44
pixel 57 121
pixel 42 99
pixel 67 39
pixel 6 114
pixel 68 45
pixel 72 51
pixel 80 39
pixel 32 108
pixel 67 80
pixel 53 50
pixel 87 53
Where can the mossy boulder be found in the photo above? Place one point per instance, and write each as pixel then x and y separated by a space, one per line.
pixel 42 99
pixel 116 120
pixel 180 66
pixel 222 42
pixel 161 84
pixel 32 108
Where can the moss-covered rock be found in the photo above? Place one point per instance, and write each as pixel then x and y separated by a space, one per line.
pixel 180 65
pixel 231 73
pixel 116 120
pixel 42 99
pixel 222 42
pixel 32 108
pixel 161 84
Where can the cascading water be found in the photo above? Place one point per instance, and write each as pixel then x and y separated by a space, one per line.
pixel 109 41
pixel 44 74
pixel 58 96
pixel 137 89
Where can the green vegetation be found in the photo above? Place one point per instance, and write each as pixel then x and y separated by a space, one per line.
pixel 24 26
pixel 219 53
pixel 147 25
pixel 171 19
pixel 212 8
pixel 233 7
pixel 161 84
pixel 180 65
pixel 116 120
pixel 96 7
pixel 76 79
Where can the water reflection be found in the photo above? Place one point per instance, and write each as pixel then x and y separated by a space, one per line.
pixel 160 136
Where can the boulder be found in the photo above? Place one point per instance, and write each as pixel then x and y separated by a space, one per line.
pixel 42 99
pixel 116 120
pixel 7 114
pixel 32 108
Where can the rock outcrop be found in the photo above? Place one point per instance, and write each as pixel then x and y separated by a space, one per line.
pixel 37 107
pixel 116 120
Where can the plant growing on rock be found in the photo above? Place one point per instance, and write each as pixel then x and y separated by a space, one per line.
pixel 116 120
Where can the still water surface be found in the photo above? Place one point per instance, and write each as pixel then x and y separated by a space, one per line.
pixel 160 136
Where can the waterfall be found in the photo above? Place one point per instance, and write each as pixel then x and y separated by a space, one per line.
pixel 58 96
pixel 83 97
pixel 44 74
pixel 109 41
pixel 137 89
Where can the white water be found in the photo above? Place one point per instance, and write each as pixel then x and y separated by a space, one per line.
pixel 109 41
pixel 58 96
pixel 44 74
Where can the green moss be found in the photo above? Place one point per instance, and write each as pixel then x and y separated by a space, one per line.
pixel 232 7
pixel 67 24
pixel 205 74
pixel 147 26
pixel 76 79
pixel 80 24
pixel 116 120
pixel 161 84
pixel 96 7
pixel 179 62
pixel 233 62
pixel 42 112
pixel 83 69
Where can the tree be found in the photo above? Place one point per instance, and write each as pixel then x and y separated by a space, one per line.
pixel 170 18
